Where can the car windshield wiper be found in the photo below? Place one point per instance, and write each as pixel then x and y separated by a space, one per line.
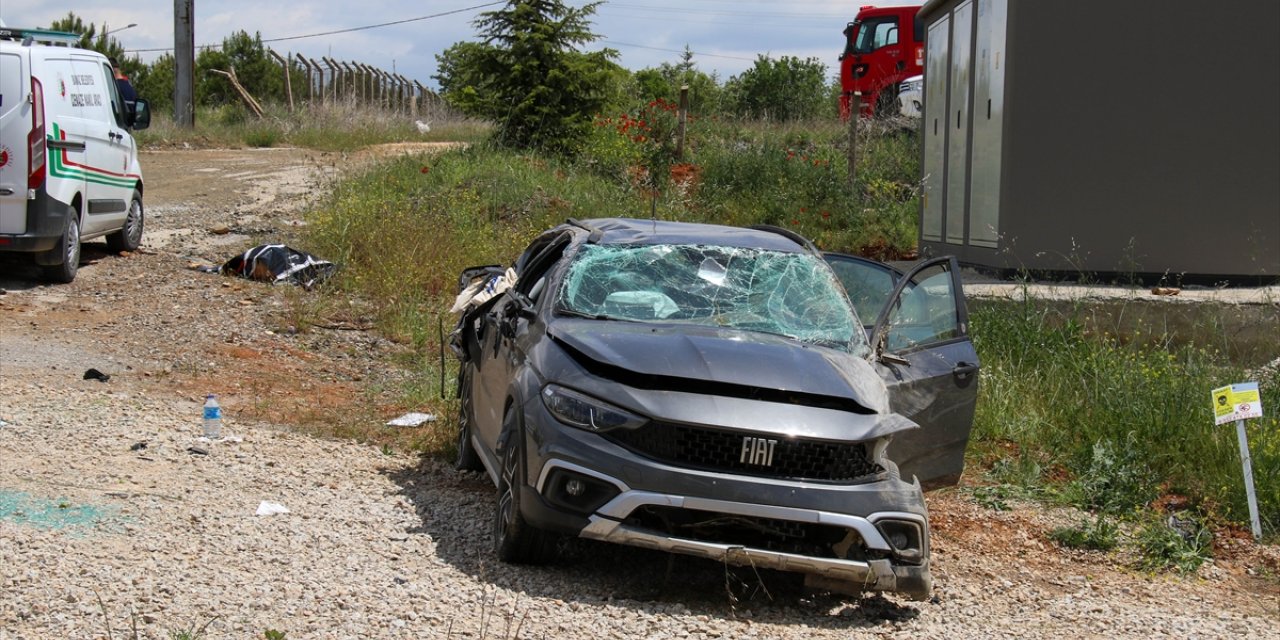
pixel 580 314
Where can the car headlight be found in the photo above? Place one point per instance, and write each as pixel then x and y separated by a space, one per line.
pixel 585 412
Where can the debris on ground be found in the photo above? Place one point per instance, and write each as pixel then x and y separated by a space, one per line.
pixel 270 509
pixel 94 374
pixel 1165 291
pixel 277 263
pixel 412 420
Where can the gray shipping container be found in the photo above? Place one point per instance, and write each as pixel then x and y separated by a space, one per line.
pixel 1127 137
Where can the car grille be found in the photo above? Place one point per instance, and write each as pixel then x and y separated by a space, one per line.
pixel 802 538
pixel 722 450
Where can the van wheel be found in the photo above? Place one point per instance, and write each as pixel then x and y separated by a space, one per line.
pixel 68 250
pixel 515 540
pixel 129 237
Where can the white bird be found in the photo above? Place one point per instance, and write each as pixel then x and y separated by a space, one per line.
pixel 423 127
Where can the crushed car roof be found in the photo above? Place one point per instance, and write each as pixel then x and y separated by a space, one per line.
pixel 636 231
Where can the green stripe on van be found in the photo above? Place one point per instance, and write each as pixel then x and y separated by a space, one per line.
pixel 89 174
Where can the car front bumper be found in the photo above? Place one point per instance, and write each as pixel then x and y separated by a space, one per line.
pixel 637 483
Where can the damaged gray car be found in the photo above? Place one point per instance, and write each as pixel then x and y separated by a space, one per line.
pixel 711 391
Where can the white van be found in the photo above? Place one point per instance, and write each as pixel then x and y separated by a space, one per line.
pixel 69 168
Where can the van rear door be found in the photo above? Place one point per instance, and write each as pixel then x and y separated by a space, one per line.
pixel 15 126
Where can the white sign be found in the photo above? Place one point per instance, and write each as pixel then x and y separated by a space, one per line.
pixel 1236 402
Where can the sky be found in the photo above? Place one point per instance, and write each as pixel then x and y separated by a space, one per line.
pixel 725 35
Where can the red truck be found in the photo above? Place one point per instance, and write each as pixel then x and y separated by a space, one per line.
pixel 883 47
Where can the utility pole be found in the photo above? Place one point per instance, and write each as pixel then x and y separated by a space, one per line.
pixel 184 63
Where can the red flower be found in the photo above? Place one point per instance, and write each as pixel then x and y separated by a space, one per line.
pixel 826 214
pixel 804 209
pixel 795 222
pixel 424 169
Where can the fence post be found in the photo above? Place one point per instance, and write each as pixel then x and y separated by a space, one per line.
pixel 855 110
pixel 319 79
pixel 288 88
pixel 311 87
pixel 421 103
pixel 682 121
pixel 334 78
pixel 406 93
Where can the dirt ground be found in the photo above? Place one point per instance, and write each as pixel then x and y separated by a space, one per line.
pixel 166 333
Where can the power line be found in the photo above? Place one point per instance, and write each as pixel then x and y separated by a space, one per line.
pixel 337 31
pixel 774 15
pixel 696 53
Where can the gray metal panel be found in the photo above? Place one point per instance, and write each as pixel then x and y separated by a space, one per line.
pixel 1161 170
pixel 988 124
pixel 935 124
pixel 958 107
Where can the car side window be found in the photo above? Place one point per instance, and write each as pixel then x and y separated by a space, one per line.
pixel 113 95
pixel 925 313
pixel 869 284
pixel 536 268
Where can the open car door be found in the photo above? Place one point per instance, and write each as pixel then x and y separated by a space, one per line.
pixel 923 352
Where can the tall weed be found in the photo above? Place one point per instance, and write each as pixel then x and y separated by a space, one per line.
pixel 1125 415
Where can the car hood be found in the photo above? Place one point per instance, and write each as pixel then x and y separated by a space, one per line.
pixel 683 357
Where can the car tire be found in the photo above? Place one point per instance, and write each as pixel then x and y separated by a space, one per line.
pixel 68 251
pixel 514 539
pixel 129 237
pixel 467 459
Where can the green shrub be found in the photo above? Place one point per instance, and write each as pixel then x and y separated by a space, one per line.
pixel 261 137
pixel 1116 479
pixel 1125 413
pixel 1184 548
pixel 1098 534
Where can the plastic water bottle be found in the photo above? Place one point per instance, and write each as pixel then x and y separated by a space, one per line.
pixel 212 417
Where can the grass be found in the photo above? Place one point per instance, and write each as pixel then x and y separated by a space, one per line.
pixel 1098 534
pixel 1114 420
pixel 339 127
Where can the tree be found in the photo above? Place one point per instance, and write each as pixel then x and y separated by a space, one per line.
pixel 664 82
pixel 260 75
pixel 155 82
pixel 528 75
pixel 93 38
pixel 784 89
pixel 458 73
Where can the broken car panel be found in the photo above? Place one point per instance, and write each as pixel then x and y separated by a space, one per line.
pixel 692 388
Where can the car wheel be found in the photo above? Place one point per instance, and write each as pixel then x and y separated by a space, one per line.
pixel 129 237
pixel 514 539
pixel 68 251
pixel 468 459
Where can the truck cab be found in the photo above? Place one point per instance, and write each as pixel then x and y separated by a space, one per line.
pixel 883 47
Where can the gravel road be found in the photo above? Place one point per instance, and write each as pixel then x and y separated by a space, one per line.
pixel 114 515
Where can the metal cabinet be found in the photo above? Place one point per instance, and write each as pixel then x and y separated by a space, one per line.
pixel 964 113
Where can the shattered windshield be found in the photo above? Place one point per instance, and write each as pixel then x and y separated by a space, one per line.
pixel 789 294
